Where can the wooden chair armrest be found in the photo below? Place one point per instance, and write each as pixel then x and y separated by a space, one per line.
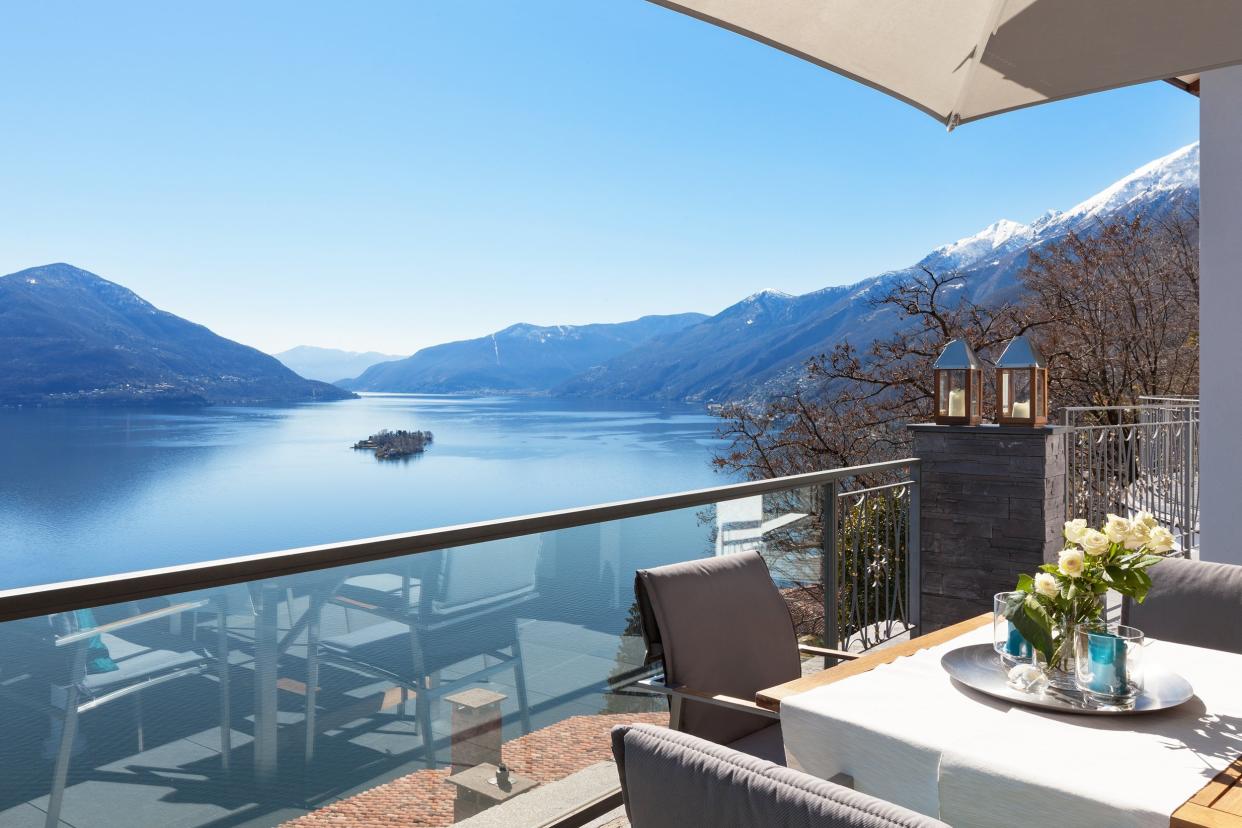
pixel 824 651
pixel 718 699
pixel 133 620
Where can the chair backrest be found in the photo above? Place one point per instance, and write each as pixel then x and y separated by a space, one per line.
pixel 722 626
pixel 1191 602
pixel 486 575
pixel 671 779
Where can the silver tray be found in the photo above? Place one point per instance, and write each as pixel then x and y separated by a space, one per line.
pixel 979 668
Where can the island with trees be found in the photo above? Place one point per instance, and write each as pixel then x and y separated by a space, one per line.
pixel 393 445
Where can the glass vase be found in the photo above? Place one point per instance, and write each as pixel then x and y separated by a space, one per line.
pixel 1061 668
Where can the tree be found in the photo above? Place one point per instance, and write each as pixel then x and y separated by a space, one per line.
pixel 851 405
pixel 1122 305
pixel 1115 311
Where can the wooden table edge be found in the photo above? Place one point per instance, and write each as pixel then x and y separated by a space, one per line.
pixel 1217 805
pixel 770 698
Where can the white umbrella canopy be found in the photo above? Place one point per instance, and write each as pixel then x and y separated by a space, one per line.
pixel 962 60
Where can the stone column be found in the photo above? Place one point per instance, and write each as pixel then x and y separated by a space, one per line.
pixel 476 721
pixel 992 506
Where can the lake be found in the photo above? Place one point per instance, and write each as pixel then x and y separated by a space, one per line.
pixel 89 492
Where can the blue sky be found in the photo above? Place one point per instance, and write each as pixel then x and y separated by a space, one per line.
pixel 391 175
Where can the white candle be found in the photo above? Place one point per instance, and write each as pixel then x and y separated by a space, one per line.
pixel 1021 410
pixel 957 402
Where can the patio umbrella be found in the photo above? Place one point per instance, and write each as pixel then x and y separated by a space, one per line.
pixel 962 60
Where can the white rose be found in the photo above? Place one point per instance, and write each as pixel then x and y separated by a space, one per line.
pixel 1094 542
pixel 1160 540
pixel 1074 530
pixel 1147 519
pixel 1116 528
pixel 1071 562
pixel 1046 585
pixel 1136 538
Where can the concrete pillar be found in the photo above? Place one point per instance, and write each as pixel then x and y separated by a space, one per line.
pixel 1220 297
pixel 476 721
pixel 992 506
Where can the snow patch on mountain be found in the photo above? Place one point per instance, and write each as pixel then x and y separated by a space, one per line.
pixel 1175 171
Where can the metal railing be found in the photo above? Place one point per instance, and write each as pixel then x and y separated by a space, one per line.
pixel 866 591
pixel 25 602
pixel 291 651
pixel 1126 459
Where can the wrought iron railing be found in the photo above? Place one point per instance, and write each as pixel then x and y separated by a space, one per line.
pixel 1126 459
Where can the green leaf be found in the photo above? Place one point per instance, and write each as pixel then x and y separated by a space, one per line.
pixel 1033 622
pixel 1026 583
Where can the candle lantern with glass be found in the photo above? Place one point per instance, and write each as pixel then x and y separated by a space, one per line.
pixel 958 390
pixel 1021 385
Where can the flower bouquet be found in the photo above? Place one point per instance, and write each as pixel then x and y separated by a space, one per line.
pixel 1046 608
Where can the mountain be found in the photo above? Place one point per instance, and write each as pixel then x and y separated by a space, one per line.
pixel 520 358
pixel 758 346
pixel 330 364
pixel 68 336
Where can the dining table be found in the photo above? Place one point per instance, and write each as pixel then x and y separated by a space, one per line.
pixel 902 729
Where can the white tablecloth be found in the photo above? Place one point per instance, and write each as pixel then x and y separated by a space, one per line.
pixel 907 734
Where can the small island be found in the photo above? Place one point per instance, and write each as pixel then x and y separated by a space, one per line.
pixel 392 445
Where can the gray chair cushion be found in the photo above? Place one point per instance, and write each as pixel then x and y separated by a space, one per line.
pixel 723 627
pixel 675 780
pixel 766 744
pixel 1191 602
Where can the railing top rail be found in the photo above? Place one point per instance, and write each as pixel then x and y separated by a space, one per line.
pixel 1076 427
pixel 25 602
pixel 1170 403
pixel 852 492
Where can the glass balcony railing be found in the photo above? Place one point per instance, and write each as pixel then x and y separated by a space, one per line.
pixel 385 681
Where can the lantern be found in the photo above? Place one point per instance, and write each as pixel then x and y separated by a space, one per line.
pixel 1021 385
pixel 958 377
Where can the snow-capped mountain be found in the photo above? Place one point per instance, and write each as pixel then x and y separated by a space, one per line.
pixel 996 238
pixel 1177 172
pixel 758 345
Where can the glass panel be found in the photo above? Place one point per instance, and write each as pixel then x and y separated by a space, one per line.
pixel 943 380
pixel 957 393
pixel 1006 397
pixel 976 389
pixel 314 688
pixel 1021 384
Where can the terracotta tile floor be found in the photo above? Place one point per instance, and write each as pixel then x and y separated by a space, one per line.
pixel 423 799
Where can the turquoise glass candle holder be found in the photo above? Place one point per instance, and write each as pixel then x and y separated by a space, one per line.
pixel 1006 640
pixel 1109 661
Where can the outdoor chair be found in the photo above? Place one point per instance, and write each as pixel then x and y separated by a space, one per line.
pixel 724 632
pixel 434 611
pixel 69 664
pixel 1191 602
pixel 676 780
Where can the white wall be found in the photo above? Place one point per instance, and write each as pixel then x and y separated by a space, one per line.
pixel 1220 314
